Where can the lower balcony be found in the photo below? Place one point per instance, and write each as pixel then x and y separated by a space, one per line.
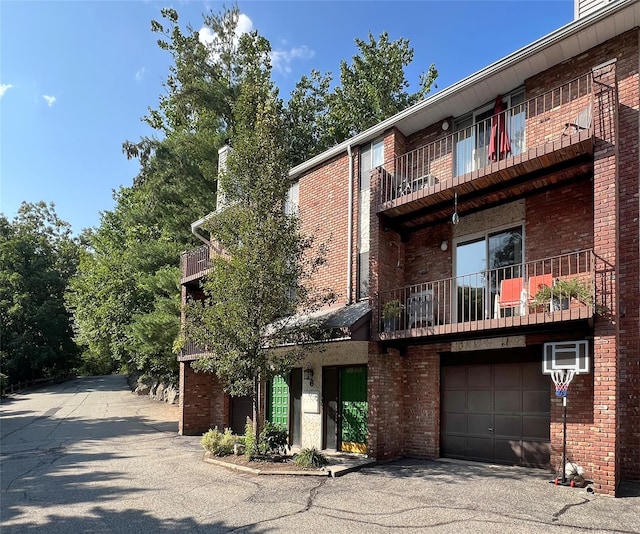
pixel 549 290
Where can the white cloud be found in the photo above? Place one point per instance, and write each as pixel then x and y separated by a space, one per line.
pixel 51 100
pixel 282 59
pixel 208 37
pixel 140 74
pixel 4 87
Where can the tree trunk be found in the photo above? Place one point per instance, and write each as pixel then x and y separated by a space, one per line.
pixel 256 409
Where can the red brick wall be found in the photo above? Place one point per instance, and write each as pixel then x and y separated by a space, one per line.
pixel 386 403
pixel 559 221
pixel 422 402
pixel 609 448
pixel 324 208
pixel 203 403
pixel 629 254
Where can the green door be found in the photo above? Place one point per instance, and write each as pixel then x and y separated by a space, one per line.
pixel 354 408
pixel 279 402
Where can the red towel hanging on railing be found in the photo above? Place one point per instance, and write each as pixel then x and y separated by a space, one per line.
pixel 499 144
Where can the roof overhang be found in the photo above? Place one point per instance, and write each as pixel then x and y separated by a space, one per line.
pixel 338 322
pixel 500 77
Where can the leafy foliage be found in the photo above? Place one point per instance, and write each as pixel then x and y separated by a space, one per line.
pixel 38 255
pixel 564 289
pixel 125 297
pixel 250 442
pixel 274 439
pixel 254 289
pixel 371 89
pixel 310 457
pixel 218 443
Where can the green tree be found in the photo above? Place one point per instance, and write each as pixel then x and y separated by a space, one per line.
pixel 371 89
pixel 374 86
pixel 126 295
pixel 38 255
pixel 255 288
pixel 306 117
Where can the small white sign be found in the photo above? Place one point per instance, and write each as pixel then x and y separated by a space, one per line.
pixel 311 402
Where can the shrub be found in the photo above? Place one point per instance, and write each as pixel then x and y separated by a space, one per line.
pixel 310 457
pixel 218 443
pixel 250 448
pixel 274 439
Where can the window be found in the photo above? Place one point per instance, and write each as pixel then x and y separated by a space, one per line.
pixel 482 262
pixel 292 202
pixel 473 133
pixel 371 156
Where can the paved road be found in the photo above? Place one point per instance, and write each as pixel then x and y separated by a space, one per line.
pixel 89 456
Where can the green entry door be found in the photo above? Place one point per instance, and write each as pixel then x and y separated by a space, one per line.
pixel 279 402
pixel 354 409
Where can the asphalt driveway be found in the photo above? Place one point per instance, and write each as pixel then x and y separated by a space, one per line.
pixel 89 456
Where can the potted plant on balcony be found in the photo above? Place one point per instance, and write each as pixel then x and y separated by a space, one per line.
pixel 559 296
pixel 391 315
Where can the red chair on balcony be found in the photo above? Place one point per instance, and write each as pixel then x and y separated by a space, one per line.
pixel 536 283
pixel 512 296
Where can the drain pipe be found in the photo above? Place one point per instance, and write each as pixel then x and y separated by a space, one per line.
pixel 195 226
pixel 350 226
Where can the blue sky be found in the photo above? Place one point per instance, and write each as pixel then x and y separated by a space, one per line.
pixel 77 76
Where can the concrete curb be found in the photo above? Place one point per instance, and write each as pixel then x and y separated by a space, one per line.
pixel 333 471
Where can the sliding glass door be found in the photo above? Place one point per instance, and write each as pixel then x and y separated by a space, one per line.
pixel 482 262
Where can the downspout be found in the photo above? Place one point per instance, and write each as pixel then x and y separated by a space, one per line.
pixel 350 226
pixel 195 226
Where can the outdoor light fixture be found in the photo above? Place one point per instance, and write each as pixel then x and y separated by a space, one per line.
pixel 455 219
pixel 444 245
pixel 308 374
pixel 445 126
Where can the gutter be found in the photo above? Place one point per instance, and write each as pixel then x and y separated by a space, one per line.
pixel 195 226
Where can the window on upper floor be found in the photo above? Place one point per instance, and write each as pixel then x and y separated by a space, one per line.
pixel 292 202
pixel 473 133
pixel 371 156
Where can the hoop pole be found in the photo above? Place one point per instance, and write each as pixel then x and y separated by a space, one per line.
pixel 564 441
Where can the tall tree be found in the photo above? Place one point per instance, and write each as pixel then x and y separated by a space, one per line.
pixel 306 117
pixel 38 255
pixel 254 289
pixel 126 295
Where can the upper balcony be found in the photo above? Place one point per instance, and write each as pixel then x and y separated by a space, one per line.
pixel 194 264
pixel 541 141
pixel 541 292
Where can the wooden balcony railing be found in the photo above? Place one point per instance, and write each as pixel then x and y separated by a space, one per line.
pixel 558 288
pixel 562 111
pixel 194 263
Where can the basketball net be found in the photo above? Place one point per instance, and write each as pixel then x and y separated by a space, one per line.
pixel 562 378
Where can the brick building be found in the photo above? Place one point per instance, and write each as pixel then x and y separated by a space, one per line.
pixel 456 228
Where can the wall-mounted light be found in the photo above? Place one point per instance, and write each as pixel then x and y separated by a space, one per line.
pixel 455 218
pixel 444 245
pixel 308 374
pixel 445 126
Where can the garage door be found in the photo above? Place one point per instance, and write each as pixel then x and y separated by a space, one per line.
pixel 496 413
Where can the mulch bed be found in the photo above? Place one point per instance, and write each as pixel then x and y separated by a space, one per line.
pixel 267 464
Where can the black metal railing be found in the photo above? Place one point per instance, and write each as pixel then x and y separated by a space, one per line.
pixel 561 111
pixel 478 300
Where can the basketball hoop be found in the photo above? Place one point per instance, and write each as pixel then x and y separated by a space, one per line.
pixel 562 378
pixel 563 360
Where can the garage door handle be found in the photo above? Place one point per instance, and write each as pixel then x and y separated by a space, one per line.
pixel 490 429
